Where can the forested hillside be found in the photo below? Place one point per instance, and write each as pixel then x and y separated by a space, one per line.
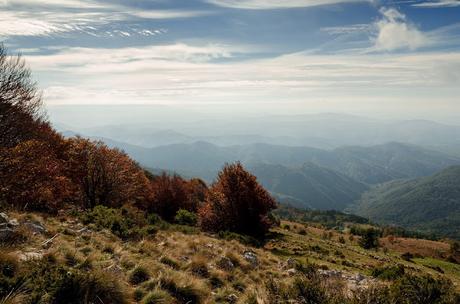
pixel 310 186
pixel 429 204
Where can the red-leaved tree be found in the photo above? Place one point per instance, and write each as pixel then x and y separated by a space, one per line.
pixel 237 202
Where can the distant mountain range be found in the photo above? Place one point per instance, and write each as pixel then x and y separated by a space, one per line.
pixel 152 127
pixel 369 165
pixel 428 204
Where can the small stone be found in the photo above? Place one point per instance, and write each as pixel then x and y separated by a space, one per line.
pixel 291 272
pixel 4 218
pixel 35 227
pixel 251 257
pixel 13 223
pixel 233 298
pixel 225 264
pixel 28 256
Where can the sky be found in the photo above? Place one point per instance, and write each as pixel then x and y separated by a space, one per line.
pixel 291 56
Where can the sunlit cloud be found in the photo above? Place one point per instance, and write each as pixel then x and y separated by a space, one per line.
pixel 53 18
pixel 276 4
pixel 183 73
pixel 438 4
pixel 396 32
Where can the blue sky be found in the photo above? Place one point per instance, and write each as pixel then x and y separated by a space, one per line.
pixel 325 55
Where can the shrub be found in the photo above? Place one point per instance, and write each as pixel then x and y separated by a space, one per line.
pixel 169 196
pixel 369 239
pixel 139 275
pixel 184 217
pixel 407 256
pixel 238 203
pixel 422 290
pixel 126 223
pixel 388 272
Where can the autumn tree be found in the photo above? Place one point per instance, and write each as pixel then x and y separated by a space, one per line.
pixel 105 176
pixel 170 194
pixel 21 115
pixel 238 203
pixel 33 178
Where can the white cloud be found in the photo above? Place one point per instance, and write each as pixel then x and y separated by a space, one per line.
pixel 276 4
pixel 394 32
pixel 53 17
pixel 182 73
pixel 438 3
pixel 52 3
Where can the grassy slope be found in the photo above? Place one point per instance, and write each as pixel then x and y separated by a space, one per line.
pixel 105 251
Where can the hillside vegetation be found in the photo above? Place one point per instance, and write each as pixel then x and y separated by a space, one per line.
pixel 430 204
pixel 310 185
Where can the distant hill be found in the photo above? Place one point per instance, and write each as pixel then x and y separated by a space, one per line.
pixel 370 165
pixel 429 204
pixel 151 126
pixel 309 186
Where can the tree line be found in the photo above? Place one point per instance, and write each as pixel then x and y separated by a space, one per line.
pixel 40 170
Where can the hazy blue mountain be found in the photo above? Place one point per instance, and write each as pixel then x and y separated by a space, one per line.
pixel 428 204
pixel 369 165
pixel 152 126
pixel 309 186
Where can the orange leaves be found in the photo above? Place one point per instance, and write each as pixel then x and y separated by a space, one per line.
pixel 238 203
pixel 32 176
pixel 105 176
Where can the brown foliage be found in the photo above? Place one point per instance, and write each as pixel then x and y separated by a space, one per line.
pixel 238 203
pixel 105 176
pixel 33 177
pixel 172 193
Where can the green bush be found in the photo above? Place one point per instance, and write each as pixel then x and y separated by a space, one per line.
pixel 369 238
pixel 126 222
pixel 184 217
pixel 411 289
pixel 388 272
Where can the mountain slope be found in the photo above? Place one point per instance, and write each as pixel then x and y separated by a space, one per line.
pixel 370 165
pixel 429 204
pixel 310 185
pixel 390 161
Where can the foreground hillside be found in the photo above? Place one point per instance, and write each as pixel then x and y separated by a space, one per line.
pixel 429 204
pixel 180 264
